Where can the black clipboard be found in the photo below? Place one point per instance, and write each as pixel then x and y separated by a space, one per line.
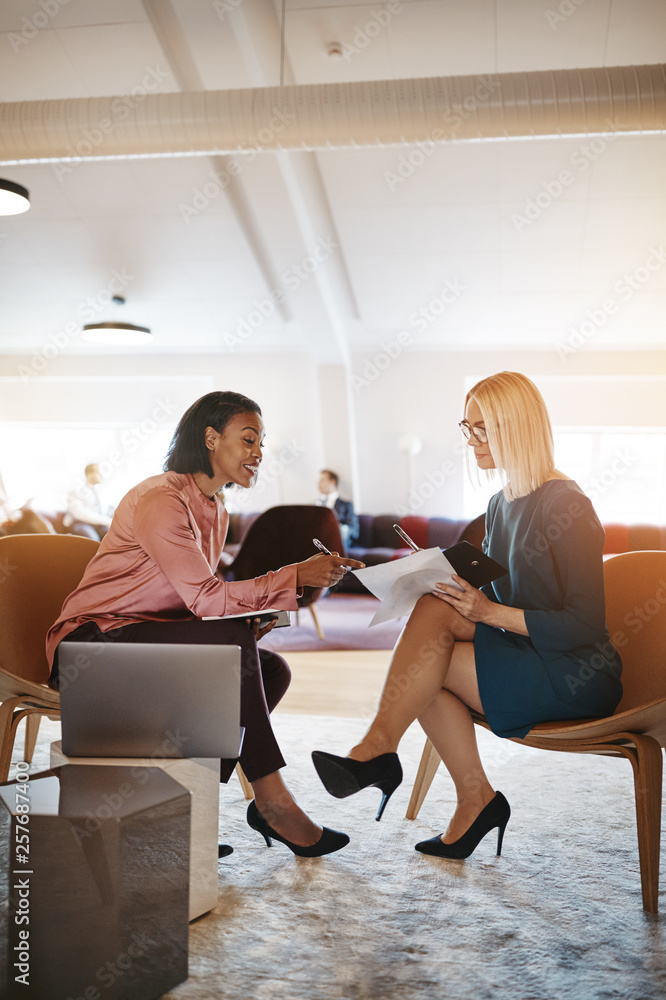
pixel 473 565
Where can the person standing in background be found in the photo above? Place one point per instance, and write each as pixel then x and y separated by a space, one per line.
pixel 344 509
pixel 84 506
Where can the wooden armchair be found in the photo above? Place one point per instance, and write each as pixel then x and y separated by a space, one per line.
pixel 635 585
pixel 37 572
pixel 283 535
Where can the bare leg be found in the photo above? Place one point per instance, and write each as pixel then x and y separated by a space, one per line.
pixel 449 726
pixel 281 811
pixel 417 673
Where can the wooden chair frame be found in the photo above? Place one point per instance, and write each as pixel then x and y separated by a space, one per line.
pixel 637 731
pixel 45 569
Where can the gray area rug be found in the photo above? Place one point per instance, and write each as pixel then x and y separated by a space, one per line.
pixel 344 619
pixel 557 917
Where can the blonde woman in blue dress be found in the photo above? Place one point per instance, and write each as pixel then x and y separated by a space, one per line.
pixel 531 647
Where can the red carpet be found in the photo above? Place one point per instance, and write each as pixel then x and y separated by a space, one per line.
pixel 344 620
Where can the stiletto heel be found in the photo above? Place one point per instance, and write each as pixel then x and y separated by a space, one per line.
pixel 495 814
pixel 269 842
pixel 382 805
pixel 500 837
pixel 330 840
pixel 342 776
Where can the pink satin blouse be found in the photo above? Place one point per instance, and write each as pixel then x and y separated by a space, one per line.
pixel 158 563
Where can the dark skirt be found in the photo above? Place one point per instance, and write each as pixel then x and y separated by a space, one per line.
pixel 519 688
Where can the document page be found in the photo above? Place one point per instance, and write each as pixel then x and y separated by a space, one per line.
pixel 400 583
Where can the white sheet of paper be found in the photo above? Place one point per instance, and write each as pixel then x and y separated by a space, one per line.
pixel 400 583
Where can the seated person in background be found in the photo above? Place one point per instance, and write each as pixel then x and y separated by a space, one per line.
pixel 154 580
pixel 84 506
pixel 24 522
pixel 344 509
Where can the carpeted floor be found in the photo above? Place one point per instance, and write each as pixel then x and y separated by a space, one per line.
pixel 344 621
pixel 557 917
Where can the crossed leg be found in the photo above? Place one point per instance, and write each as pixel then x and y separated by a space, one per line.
pixel 432 678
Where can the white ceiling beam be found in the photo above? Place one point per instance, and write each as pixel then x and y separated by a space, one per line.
pixel 171 37
pixel 257 32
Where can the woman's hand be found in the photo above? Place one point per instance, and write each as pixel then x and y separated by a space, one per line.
pixel 469 601
pixel 255 625
pixel 324 571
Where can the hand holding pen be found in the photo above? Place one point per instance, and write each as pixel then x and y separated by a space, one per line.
pixel 325 569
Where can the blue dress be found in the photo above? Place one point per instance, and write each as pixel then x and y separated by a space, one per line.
pixel 551 543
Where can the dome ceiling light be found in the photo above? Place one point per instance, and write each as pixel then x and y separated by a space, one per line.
pixel 14 198
pixel 116 332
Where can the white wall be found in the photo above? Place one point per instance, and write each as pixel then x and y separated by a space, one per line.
pixel 423 394
pixel 307 417
pixel 88 390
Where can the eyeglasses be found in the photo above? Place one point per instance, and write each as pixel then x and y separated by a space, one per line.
pixel 477 432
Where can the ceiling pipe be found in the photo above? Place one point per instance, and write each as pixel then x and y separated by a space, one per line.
pixel 618 99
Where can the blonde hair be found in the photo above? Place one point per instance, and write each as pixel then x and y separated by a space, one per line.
pixel 519 431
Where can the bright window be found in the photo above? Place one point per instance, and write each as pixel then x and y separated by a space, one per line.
pixel 621 469
pixel 42 462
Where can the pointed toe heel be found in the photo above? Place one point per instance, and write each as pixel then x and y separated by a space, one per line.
pixel 330 840
pixel 495 814
pixel 342 776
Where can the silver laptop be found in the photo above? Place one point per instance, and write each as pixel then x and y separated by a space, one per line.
pixel 144 699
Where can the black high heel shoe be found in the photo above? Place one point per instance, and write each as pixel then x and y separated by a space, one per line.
pixel 342 776
pixel 495 814
pixel 330 840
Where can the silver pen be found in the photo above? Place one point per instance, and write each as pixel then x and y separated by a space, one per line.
pixel 405 537
pixel 322 548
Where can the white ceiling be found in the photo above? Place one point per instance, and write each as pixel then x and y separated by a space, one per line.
pixel 197 278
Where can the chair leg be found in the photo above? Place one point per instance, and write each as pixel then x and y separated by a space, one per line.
pixel 648 769
pixel 245 784
pixel 12 713
pixel 31 732
pixel 7 735
pixel 430 761
pixel 316 621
